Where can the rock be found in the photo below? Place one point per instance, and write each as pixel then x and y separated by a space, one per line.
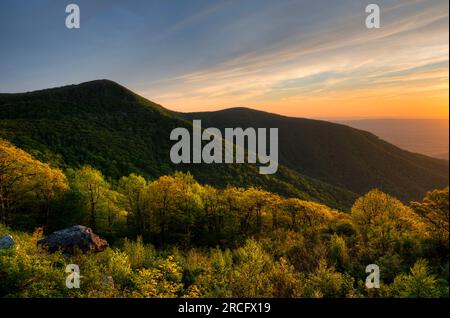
pixel 6 242
pixel 74 238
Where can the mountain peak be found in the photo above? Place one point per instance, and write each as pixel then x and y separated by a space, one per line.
pixel 103 94
pixel 101 82
pixel 103 86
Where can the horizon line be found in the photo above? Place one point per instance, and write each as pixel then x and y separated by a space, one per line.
pixel 324 118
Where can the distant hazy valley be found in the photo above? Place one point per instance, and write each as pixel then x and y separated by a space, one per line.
pixel 425 136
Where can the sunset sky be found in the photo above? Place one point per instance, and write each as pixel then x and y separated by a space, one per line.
pixel 300 58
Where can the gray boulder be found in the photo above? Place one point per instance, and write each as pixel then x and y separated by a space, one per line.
pixel 74 238
pixel 6 242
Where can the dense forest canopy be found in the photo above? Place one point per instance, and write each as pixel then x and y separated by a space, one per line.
pixel 104 125
pixel 339 155
pixel 96 154
pixel 174 237
pixel 108 127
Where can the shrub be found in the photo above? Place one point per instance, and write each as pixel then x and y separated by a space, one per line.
pixel 420 283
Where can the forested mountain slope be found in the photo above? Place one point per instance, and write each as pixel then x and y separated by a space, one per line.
pixel 340 155
pixel 105 125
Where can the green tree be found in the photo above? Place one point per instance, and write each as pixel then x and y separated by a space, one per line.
pixel 338 251
pixel 92 185
pixel 26 183
pixel 420 283
pixel 383 223
pixel 50 184
pixel 174 203
pixel 326 282
pixel 133 190
pixel 434 209
pixel 284 280
pixel 249 277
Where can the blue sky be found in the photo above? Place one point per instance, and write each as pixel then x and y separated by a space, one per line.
pixel 287 56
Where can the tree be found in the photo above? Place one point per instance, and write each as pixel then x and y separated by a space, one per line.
pixel 383 223
pixel 173 203
pixel 14 175
pixel 132 188
pixel 338 251
pixel 434 209
pixel 420 283
pixel 275 206
pixel 250 275
pixel 92 185
pixel 214 214
pixel 304 215
pixel 326 282
pixel 114 216
pixel 25 181
pixel 161 282
pixel 252 203
pixel 50 184
pixel 284 280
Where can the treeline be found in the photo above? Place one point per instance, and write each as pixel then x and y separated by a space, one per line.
pixel 218 242
pixel 172 209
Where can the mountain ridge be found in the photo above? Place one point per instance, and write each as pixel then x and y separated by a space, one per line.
pixel 327 142
pixel 103 124
pixel 106 125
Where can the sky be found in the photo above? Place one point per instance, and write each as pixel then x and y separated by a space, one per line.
pixel 299 58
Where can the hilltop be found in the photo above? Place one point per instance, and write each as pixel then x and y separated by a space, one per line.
pixel 340 155
pixel 105 125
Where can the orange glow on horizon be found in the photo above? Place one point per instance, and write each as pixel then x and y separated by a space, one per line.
pixel 377 103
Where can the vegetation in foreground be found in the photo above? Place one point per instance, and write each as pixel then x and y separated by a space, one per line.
pixel 108 127
pixel 172 237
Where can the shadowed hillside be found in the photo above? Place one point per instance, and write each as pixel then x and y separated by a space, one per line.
pixel 346 157
pixel 105 125
pixel 164 234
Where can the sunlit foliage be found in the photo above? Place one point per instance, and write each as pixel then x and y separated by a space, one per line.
pixel 173 237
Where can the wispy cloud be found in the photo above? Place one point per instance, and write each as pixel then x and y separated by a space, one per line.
pixel 296 57
pixel 410 49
